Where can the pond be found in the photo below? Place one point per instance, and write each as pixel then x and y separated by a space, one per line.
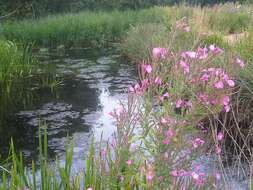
pixel 92 83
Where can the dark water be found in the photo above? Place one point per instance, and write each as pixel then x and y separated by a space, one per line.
pixel 92 82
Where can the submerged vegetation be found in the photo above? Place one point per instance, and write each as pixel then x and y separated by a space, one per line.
pixel 193 98
pixel 15 65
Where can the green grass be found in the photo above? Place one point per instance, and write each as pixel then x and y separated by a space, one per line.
pixel 139 41
pixel 244 47
pixel 15 65
pixel 83 28
pixel 18 75
pixel 14 175
pixel 230 21
pixel 98 28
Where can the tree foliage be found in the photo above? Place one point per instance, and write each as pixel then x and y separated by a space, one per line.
pixel 36 8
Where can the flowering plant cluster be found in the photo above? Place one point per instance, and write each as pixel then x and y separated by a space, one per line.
pixel 157 140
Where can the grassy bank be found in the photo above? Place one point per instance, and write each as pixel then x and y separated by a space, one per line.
pixel 98 28
pixel 84 28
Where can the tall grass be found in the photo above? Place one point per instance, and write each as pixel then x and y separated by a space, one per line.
pixel 83 28
pixel 18 75
pixel 97 28
pixel 15 65
pixel 14 174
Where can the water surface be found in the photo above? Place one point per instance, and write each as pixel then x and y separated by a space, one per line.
pixel 92 82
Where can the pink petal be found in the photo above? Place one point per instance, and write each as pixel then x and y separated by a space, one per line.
pixel 227 108
pixel 179 103
pixel 129 162
pixel 240 62
pixel 220 136
pixel 231 83
pixel 225 100
pixel 219 85
pixel 148 68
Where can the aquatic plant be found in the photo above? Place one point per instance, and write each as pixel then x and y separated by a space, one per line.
pixel 18 75
pixel 15 64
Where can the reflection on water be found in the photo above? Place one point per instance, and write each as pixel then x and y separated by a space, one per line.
pixel 92 84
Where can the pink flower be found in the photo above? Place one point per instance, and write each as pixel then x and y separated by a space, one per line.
pixel 197 142
pixel 195 176
pixel 198 178
pixel 240 62
pixel 211 69
pixel 147 68
pixel 205 77
pixel 131 89
pixel 202 53
pixel 119 110
pixel 166 95
pixel 188 104
pixel 150 175
pixel 161 98
pixel 186 28
pixel 174 173
pixel 217 149
pixel 213 101
pixel 219 85
pixel 103 152
pixel 111 114
pixel 217 176
pixel 129 162
pixel 179 173
pixel 164 120
pixel 182 173
pixel 159 53
pixel 179 103
pixel 170 133
pixel 137 87
pixel 231 83
pixel 166 141
pixel 215 50
pixel 225 100
pixel 144 82
pixel 89 188
pixel 203 98
pixel 185 66
pixel 158 81
pixel 189 54
pixel 220 136
pixel 227 108
pixel 113 143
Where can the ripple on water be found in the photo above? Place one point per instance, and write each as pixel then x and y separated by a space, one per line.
pixel 91 87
